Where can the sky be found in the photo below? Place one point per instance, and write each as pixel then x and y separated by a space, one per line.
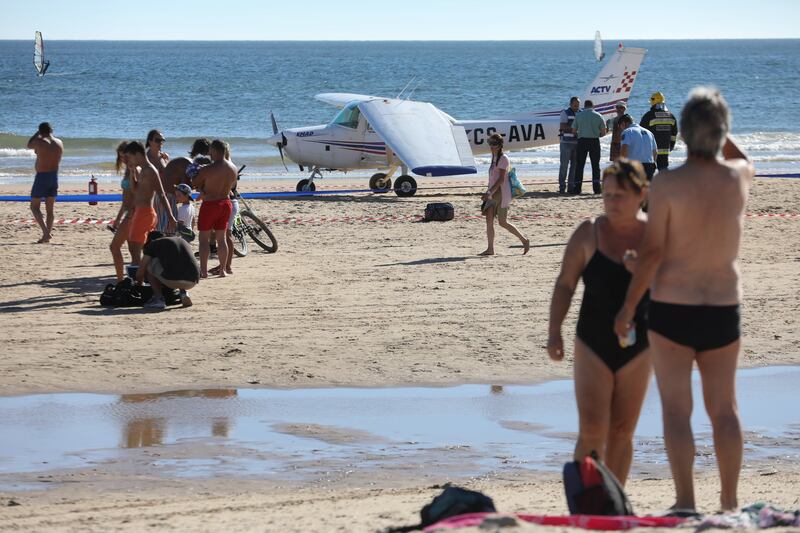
pixel 277 20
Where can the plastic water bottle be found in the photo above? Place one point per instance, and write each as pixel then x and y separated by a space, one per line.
pixel 629 339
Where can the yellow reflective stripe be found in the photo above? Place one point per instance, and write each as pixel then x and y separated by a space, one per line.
pixel 663 151
pixel 663 122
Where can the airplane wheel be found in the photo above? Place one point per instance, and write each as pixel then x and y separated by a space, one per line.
pixel 306 186
pixel 380 182
pixel 405 186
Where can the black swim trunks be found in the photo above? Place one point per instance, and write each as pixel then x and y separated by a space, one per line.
pixel 45 185
pixel 700 327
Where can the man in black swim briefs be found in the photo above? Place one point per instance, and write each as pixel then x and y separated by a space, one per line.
pixel 689 261
pixel 48 150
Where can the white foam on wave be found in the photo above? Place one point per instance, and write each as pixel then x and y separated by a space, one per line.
pixel 17 152
pixel 769 142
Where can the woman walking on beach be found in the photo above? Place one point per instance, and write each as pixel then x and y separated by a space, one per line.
pixel 121 223
pixel 498 197
pixel 689 260
pixel 611 374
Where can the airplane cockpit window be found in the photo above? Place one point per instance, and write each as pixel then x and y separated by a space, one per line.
pixel 348 117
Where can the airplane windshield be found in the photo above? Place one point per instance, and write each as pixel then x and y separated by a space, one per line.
pixel 348 117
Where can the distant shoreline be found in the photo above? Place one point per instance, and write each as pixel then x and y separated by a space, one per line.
pixel 608 39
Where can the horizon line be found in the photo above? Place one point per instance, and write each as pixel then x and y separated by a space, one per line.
pixel 419 40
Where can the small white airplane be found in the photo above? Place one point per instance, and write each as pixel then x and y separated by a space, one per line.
pixel 372 132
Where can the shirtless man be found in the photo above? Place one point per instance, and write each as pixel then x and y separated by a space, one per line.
pixel 48 156
pixel 689 261
pixel 175 171
pixel 215 183
pixel 147 186
pixel 159 159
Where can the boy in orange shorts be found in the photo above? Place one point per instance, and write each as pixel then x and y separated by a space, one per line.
pixel 143 222
pixel 147 187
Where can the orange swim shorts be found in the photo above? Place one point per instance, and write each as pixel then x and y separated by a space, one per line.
pixel 214 214
pixel 143 222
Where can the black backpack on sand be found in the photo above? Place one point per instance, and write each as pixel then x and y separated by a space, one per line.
pixel 453 501
pixel 126 293
pixel 592 489
pixel 441 212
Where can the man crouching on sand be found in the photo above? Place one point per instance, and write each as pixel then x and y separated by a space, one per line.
pixel 168 262
pixel 688 258
pixel 147 186
pixel 48 156
pixel 215 182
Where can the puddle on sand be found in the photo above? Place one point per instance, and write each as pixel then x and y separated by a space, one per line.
pixel 299 434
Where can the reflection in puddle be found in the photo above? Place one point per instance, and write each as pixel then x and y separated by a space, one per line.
pixel 464 430
pixel 143 432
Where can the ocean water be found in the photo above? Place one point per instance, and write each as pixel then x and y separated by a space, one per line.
pixel 99 92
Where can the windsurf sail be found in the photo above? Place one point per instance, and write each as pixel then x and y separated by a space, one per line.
pixel 38 54
pixel 598 46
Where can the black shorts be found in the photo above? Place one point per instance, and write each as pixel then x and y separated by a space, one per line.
pixel 700 327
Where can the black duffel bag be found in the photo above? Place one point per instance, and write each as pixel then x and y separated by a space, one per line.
pixel 127 293
pixel 441 211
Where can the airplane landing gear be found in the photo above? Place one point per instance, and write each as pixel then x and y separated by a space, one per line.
pixel 307 185
pixel 405 186
pixel 380 182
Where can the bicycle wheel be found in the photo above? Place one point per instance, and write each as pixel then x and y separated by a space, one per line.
pixel 258 231
pixel 239 238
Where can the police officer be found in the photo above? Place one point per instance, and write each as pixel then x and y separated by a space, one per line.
pixel 568 145
pixel 638 144
pixel 663 126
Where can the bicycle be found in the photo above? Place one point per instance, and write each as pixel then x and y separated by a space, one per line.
pixel 247 224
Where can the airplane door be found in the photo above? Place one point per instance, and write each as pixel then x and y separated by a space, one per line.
pixel 374 153
pixel 347 138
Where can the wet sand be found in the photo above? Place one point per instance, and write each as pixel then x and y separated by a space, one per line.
pixel 343 303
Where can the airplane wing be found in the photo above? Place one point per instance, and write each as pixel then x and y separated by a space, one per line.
pixel 424 140
pixel 342 99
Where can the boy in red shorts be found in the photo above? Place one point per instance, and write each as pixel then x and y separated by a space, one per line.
pixel 215 182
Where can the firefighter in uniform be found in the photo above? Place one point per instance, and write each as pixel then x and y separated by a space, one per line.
pixel 663 126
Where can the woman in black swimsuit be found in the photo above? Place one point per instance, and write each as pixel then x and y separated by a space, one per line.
pixel 610 380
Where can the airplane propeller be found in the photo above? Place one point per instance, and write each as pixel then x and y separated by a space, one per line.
pixel 283 141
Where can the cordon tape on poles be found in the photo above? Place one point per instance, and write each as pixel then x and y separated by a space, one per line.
pixel 365 219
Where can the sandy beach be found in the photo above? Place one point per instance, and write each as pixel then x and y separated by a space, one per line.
pixel 359 295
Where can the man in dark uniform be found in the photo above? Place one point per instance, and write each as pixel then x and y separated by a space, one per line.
pixel 568 146
pixel 663 126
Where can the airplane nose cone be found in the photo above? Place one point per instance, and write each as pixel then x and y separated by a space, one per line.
pixel 276 139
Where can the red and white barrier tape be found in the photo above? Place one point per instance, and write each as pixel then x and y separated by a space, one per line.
pixel 65 221
pixel 291 188
pixel 394 218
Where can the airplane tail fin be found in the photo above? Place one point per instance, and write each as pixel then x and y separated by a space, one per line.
pixel 614 82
